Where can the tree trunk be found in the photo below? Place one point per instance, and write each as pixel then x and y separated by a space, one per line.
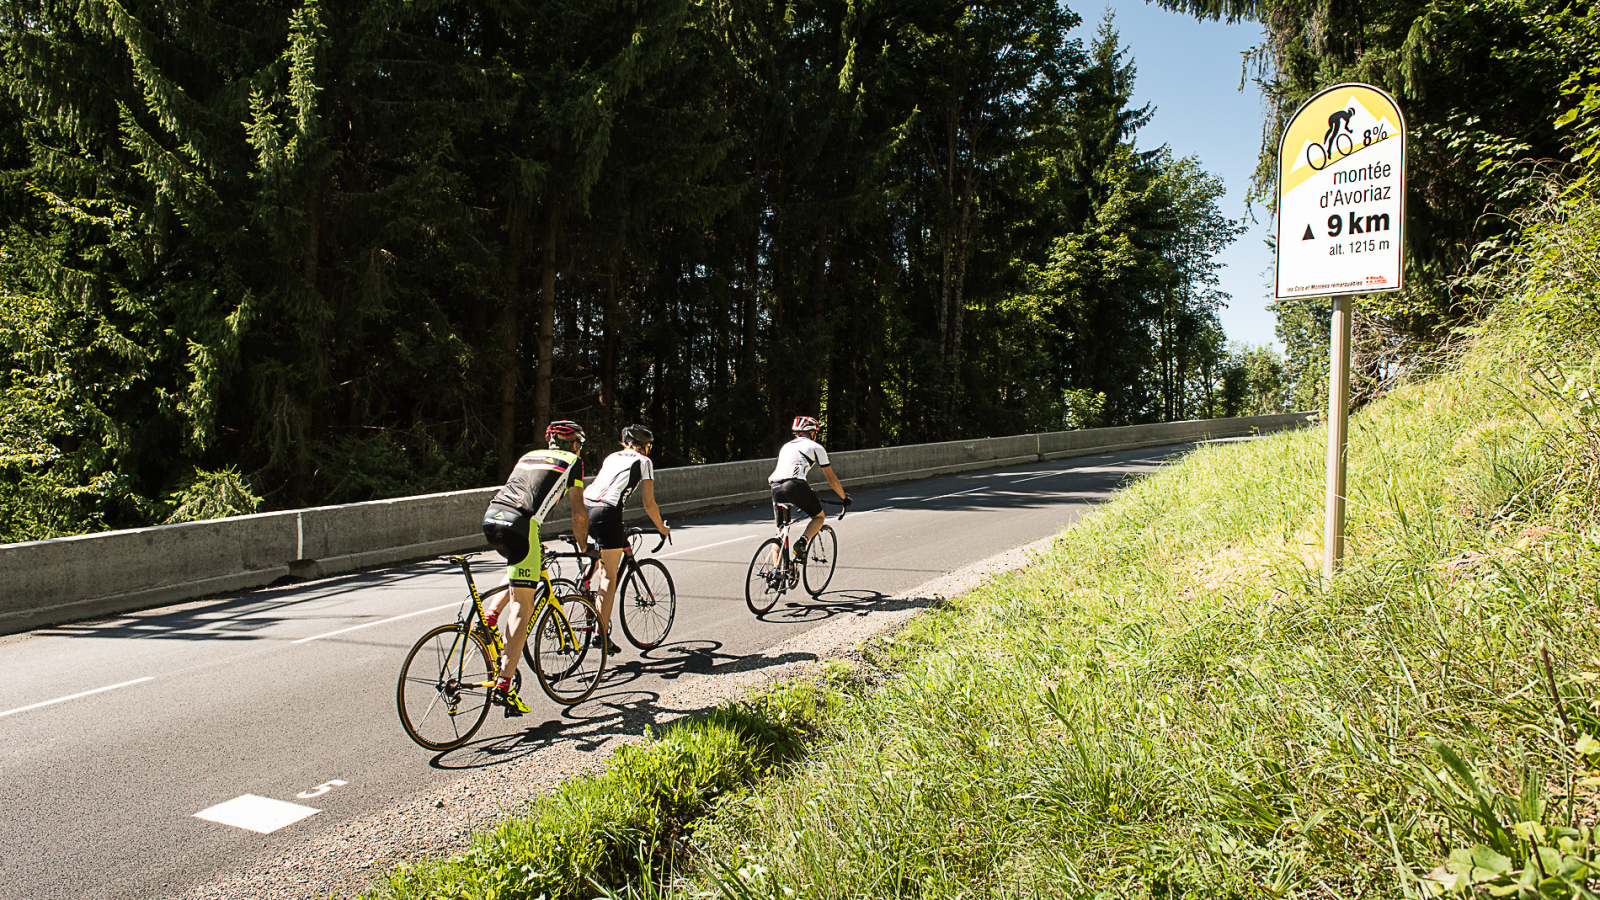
pixel 505 444
pixel 547 319
pixel 610 316
pixel 959 304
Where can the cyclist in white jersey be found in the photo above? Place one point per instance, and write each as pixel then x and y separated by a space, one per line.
pixel 622 473
pixel 788 480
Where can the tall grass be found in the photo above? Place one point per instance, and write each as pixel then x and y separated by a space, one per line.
pixel 1173 703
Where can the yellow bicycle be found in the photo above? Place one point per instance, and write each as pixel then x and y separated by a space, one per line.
pixel 444 689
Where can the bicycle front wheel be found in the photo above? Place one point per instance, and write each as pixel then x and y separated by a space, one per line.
pixel 568 653
pixel 443 692
pixel 559 587
pixel 766 581
pixel 647 603
pixel 821 557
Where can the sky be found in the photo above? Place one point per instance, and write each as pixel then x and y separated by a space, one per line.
pixel 1189 72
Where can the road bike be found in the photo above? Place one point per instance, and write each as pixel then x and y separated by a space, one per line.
pixel 443 694
pixel 773 570
pixel 647 601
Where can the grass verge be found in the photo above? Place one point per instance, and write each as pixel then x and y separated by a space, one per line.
pixel 635 816
pixel 1174 704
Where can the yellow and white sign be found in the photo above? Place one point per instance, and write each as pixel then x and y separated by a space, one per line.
pixel 1341 195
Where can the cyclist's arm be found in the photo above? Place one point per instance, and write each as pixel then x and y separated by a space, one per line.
pixel 580 515
pixel 647 490
pixel 833 481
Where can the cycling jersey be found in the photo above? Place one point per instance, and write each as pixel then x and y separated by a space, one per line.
pixel 538 483
pixel 796 458
pixel 619 476
pixel 511 524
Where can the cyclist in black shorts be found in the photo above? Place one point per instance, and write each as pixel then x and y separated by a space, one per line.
pixel 622 473
pixel 511 525
pixel 788 480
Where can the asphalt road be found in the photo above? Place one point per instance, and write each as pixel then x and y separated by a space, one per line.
pixel 115 733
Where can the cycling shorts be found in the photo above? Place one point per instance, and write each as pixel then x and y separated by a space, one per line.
pixel 795 492
pixel 605 526
pixel 516 538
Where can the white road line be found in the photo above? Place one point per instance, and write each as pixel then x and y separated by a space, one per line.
pixel 408 615
pixel 75 696
pixel 868 512
pixel 1045 475
pixel 704 547
pixel 956 494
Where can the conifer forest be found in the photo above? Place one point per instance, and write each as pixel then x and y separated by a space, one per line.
pixel 261 255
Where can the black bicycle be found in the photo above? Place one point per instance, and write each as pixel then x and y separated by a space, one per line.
pixel 773 570
pixel 647 601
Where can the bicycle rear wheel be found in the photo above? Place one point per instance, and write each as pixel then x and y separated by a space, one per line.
pixel 647 603
pixel 765 582
pixel 443 691
pixel 569 655
pixel 821 557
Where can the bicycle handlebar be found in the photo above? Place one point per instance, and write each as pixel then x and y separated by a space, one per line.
pixel 630 532
pixel 844 505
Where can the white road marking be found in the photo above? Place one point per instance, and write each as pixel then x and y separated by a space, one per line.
pixel 321 789
pixel 1045 475
pixel 956 494
pixel 318 637
pixel 75 696
pixel 705 546
pixel 263 815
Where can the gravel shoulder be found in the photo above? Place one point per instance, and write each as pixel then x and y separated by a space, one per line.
pixel 352 856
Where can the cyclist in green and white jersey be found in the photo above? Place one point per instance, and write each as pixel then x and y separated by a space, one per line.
pixel 511 525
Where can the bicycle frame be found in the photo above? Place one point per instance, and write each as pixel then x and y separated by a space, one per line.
pixel 784 513
pixel 545 598
pixel 586 573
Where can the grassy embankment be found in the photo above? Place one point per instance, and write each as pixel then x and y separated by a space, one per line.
pixel 1172 703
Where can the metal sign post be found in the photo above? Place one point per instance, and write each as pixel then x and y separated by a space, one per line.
pixel 1338 435
pixel 1341 232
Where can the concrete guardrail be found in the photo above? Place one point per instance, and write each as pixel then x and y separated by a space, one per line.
pixel 87 576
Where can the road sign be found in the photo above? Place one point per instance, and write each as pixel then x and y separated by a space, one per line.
pixel 1341 229
pixel 1341 195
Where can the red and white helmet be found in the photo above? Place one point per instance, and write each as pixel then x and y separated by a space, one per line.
pixel 803 424
pixel 564 430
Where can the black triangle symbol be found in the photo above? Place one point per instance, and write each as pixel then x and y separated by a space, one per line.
pixel 1309 235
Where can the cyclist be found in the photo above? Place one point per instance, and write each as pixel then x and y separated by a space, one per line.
pixel 1340 118
pixel 511 525
pixel 788 480
pixel 622 473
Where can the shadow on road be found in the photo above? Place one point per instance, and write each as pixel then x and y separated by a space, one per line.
pixel 852 602
pixel 616 709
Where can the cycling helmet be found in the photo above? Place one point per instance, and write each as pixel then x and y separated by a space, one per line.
pixel 564 430
pixel 805 423
pixel 637 434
